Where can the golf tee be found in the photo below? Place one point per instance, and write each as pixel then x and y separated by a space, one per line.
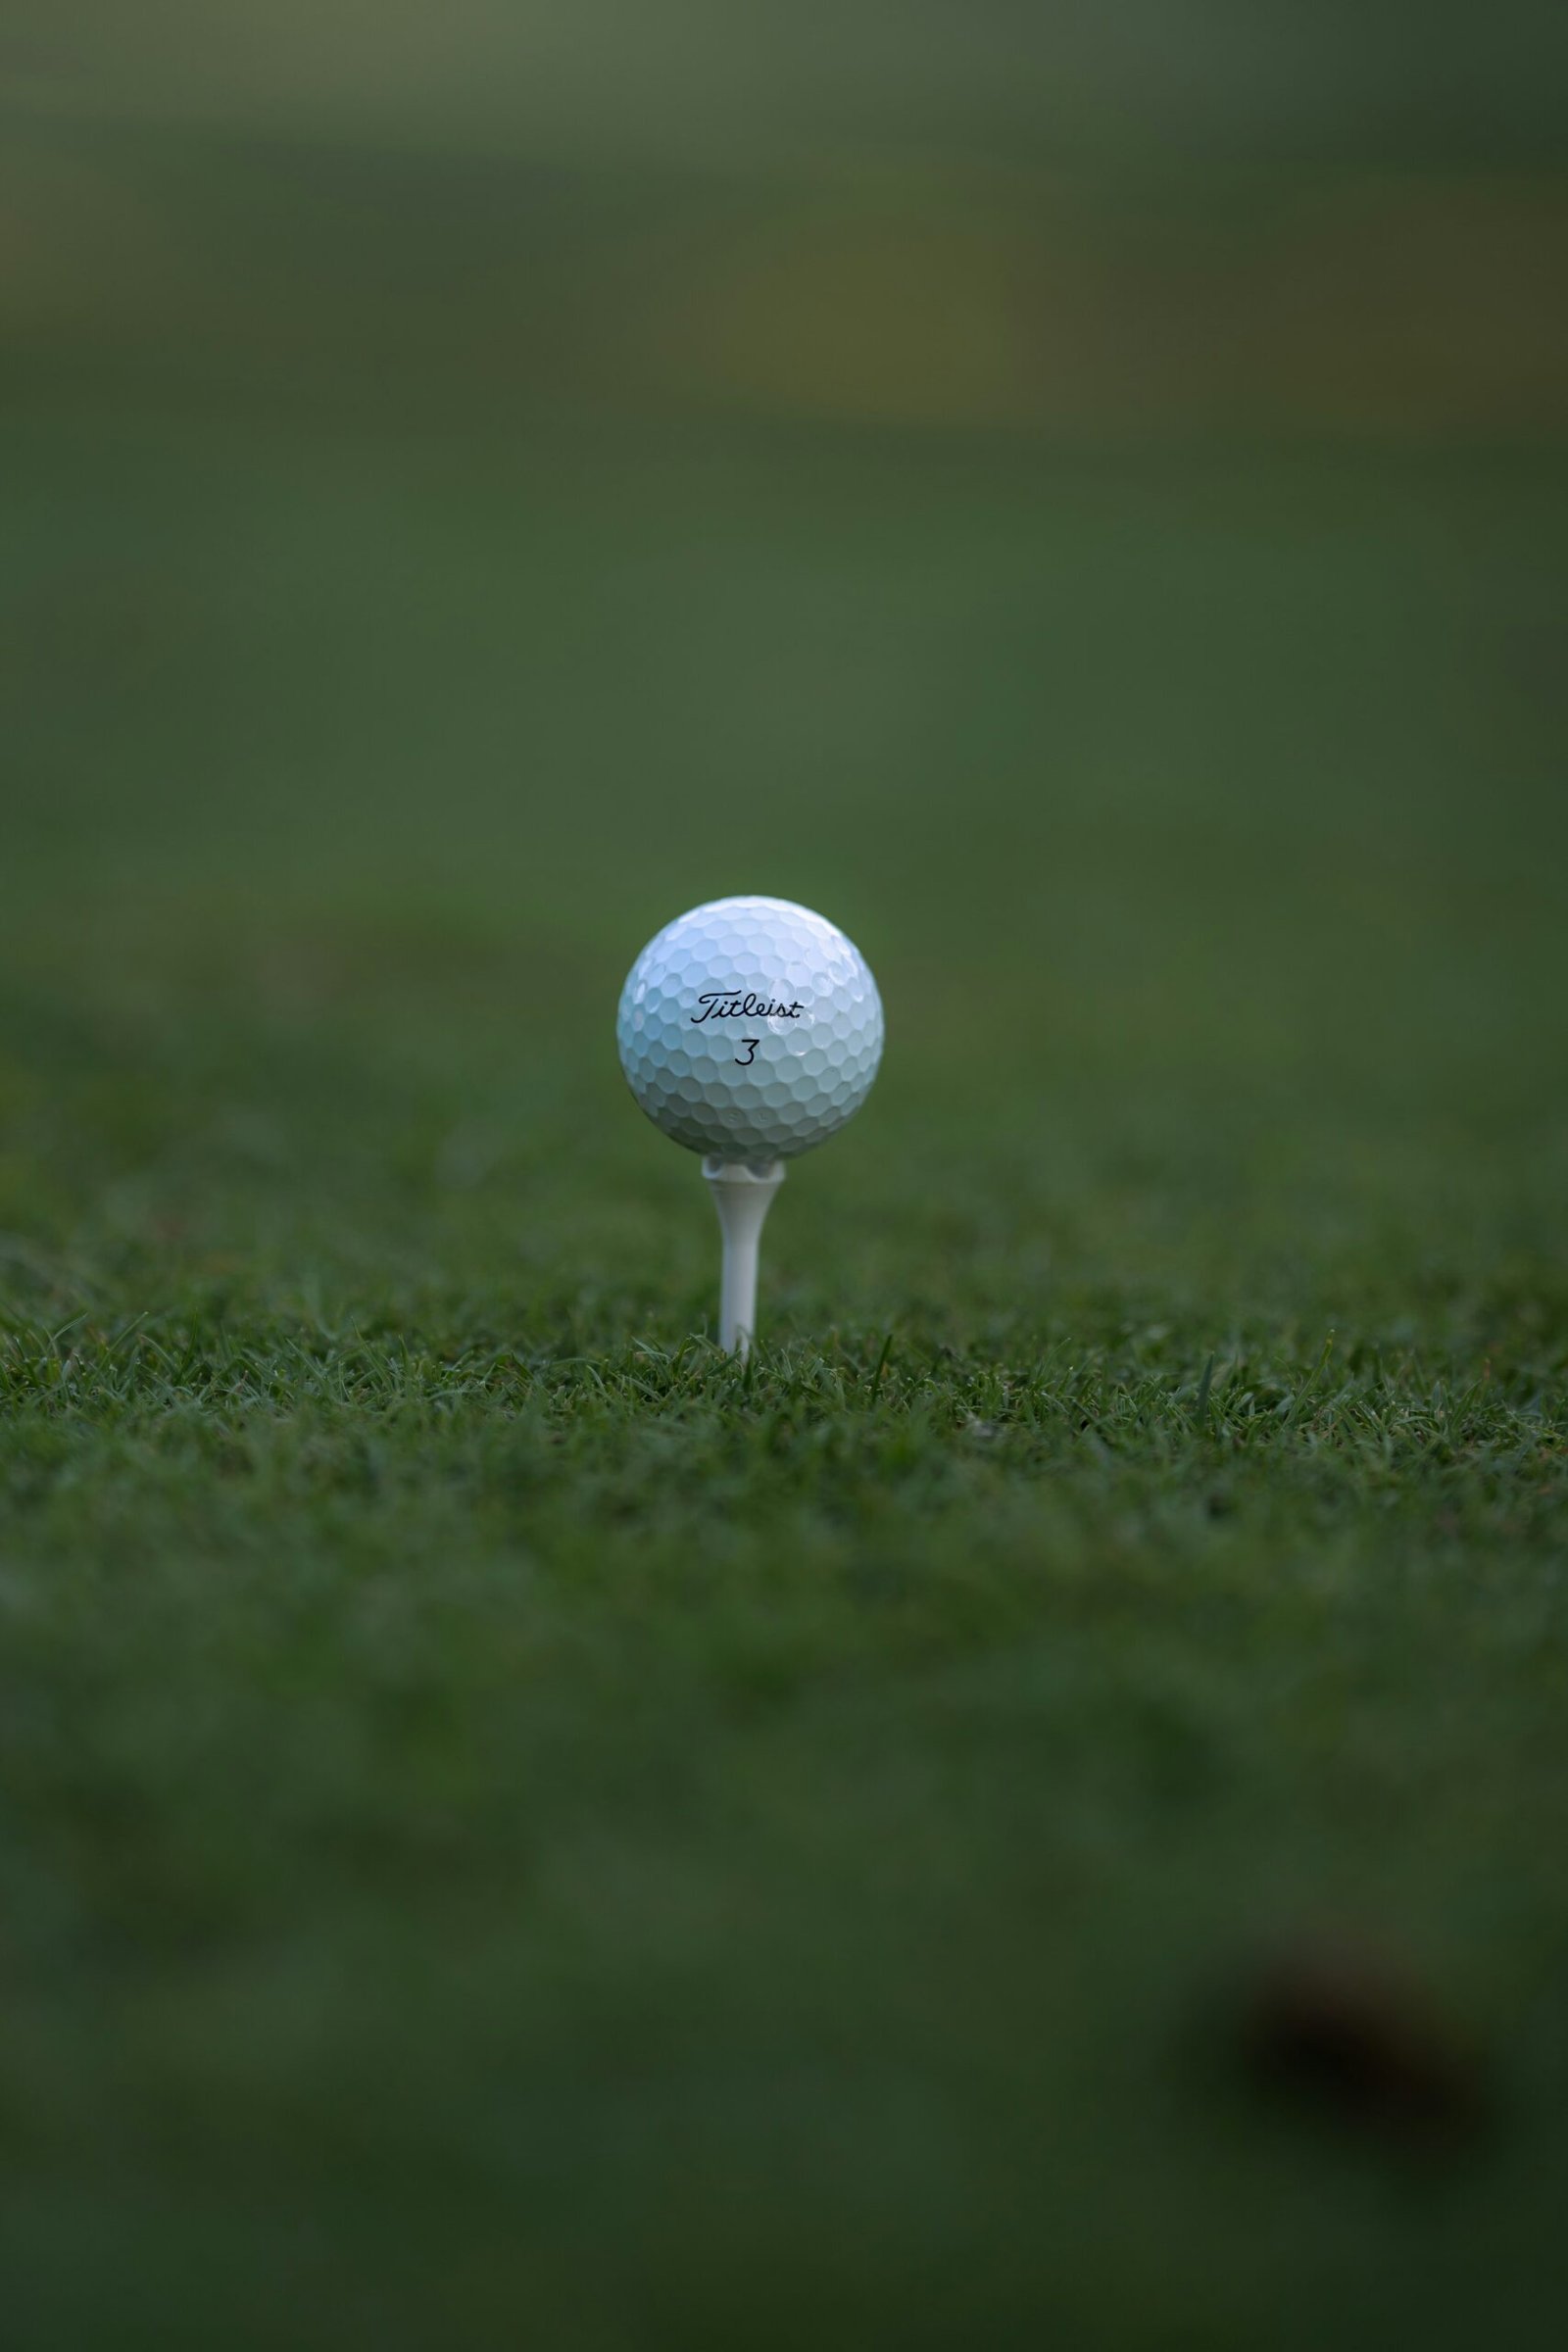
pixel 742 1195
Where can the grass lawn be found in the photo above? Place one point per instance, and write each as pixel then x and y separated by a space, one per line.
pixel 514 1831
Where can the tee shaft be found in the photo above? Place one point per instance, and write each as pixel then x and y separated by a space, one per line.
pixel 743 1194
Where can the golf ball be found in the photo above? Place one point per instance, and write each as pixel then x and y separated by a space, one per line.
pixel 751 1029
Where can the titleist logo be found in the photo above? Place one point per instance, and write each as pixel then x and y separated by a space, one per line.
pixel 727 1004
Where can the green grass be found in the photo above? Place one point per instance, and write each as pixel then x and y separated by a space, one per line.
pixel 514 1830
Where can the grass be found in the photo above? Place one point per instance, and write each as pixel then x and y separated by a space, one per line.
pixel 515 1828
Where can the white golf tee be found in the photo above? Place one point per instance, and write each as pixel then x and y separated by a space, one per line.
pixel 743 1195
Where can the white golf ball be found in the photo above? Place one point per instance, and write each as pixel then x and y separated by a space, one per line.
pixel 751 1029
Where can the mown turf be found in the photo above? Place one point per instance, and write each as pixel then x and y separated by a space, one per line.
pixel 517 1831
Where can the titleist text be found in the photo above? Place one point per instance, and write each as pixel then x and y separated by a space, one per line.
pixel 727 1004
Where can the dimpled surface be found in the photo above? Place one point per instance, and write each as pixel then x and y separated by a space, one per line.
pixel 686 1035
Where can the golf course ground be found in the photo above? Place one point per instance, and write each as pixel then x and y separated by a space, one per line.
pixel 1036 1811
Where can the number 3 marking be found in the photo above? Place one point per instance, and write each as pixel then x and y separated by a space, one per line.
pixel 753 1043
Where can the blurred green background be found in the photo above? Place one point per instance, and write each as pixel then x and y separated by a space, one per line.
pixel 1078 495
